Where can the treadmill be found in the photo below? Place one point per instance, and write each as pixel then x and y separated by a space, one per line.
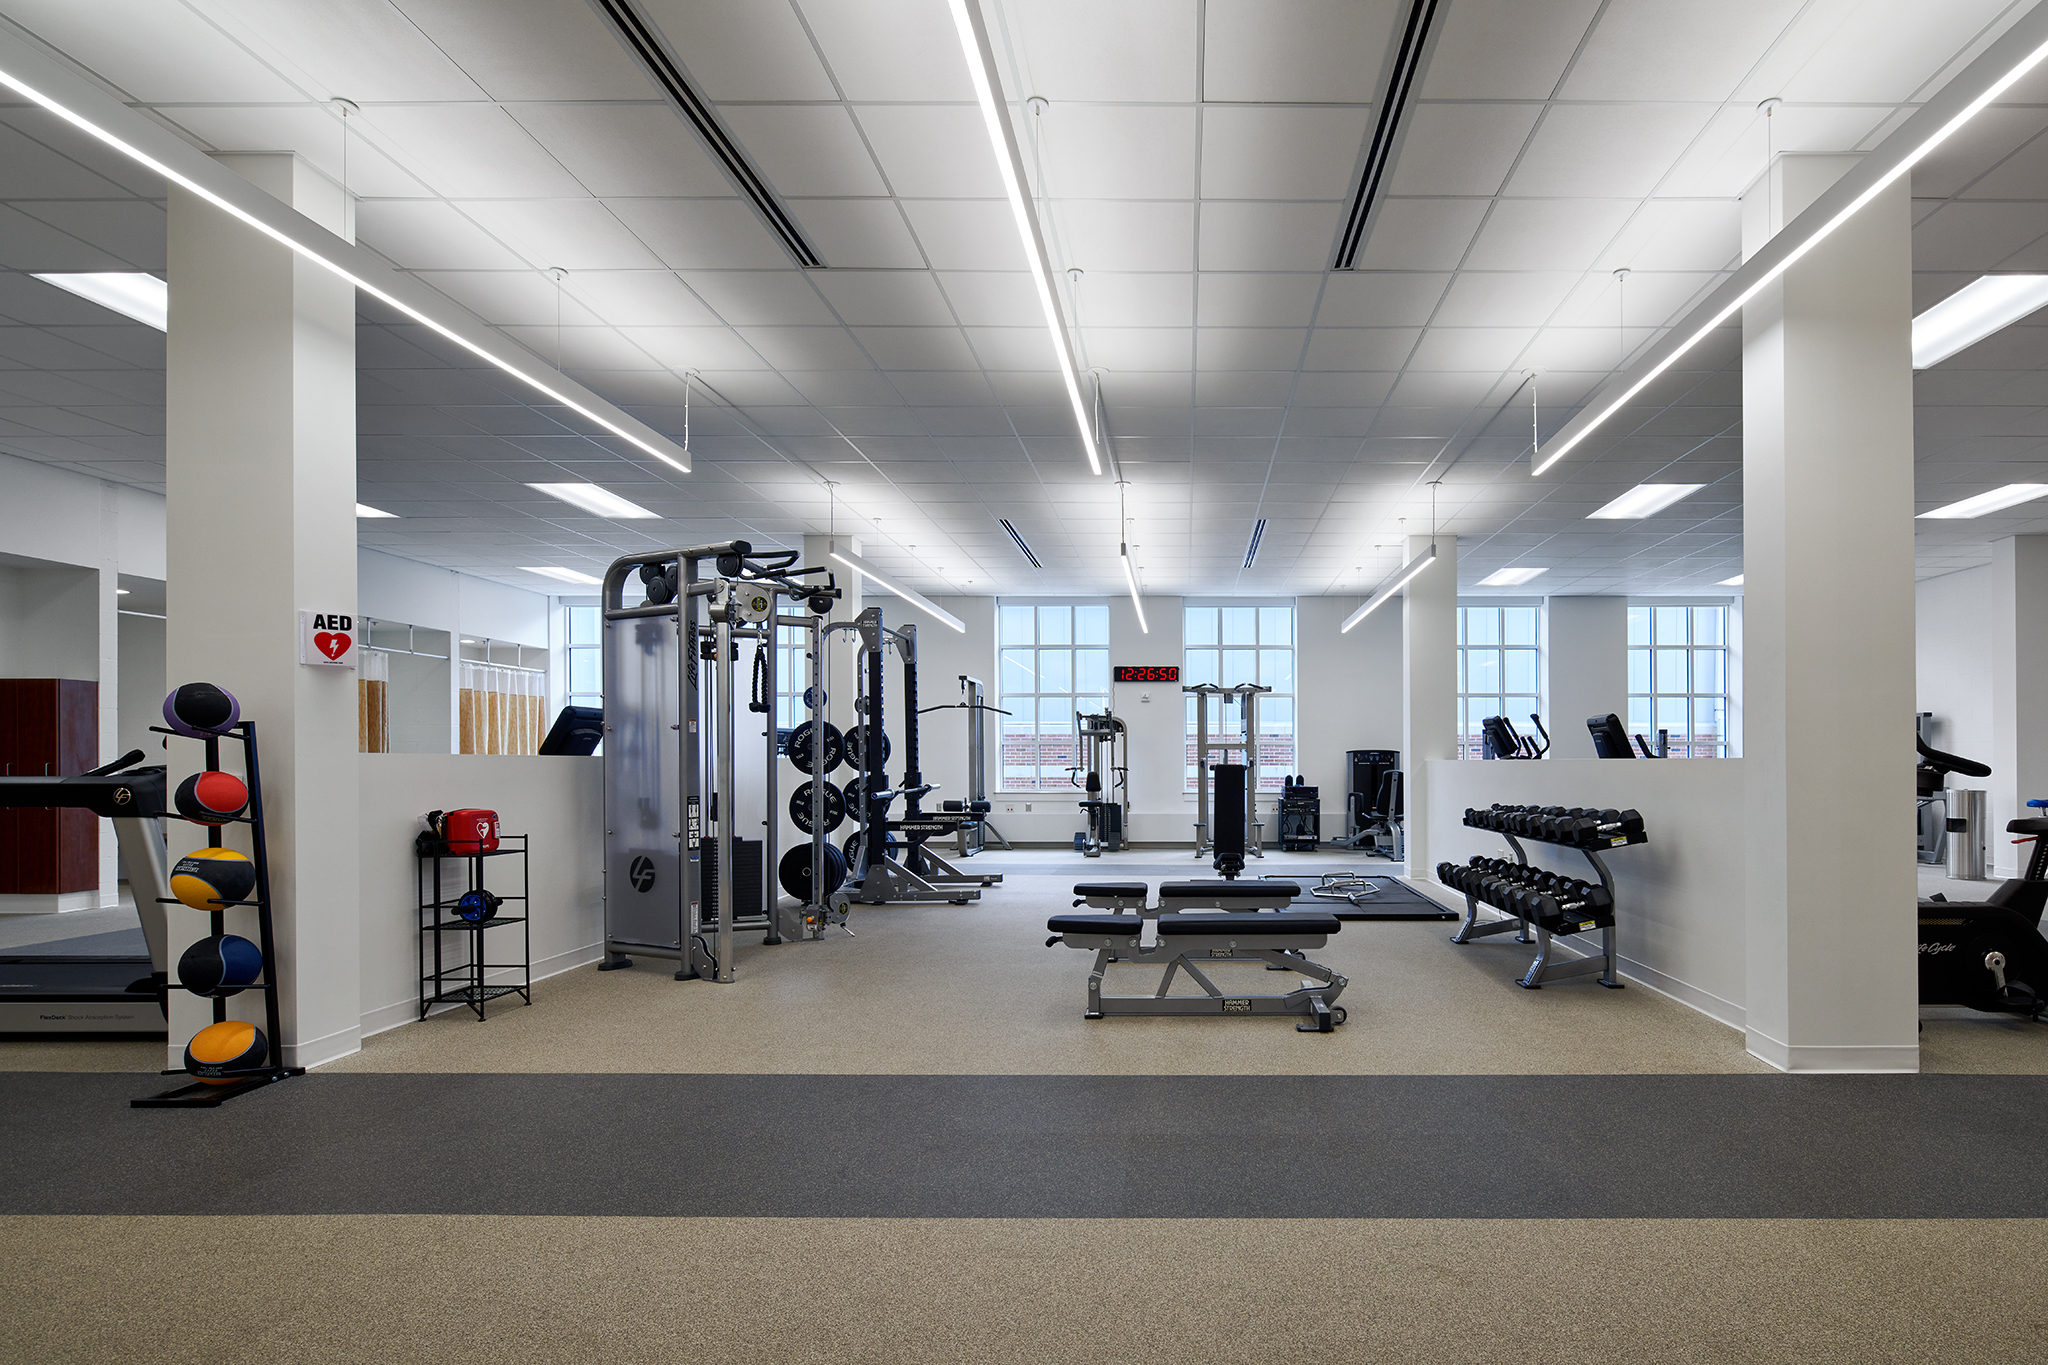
pixel 83 994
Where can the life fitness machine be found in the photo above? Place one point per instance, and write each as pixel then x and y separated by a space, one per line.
pixel 972 834
pixel 1103 750
pixel 1988 955
pixel 660 765
pixel 879 872
pixel 76 993
pixel 1209 836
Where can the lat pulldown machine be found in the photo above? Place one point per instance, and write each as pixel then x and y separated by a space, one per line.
pixel 659 765
pixel 1247 747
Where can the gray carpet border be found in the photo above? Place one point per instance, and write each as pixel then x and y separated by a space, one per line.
pixel 1039 1146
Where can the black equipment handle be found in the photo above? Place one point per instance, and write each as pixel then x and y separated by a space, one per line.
pixel 1950 763
pixel 133 756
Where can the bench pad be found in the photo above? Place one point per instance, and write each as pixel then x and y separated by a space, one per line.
pixel 1123 926
pixel 1255 925
pixel 1133 890
pixel 1223 890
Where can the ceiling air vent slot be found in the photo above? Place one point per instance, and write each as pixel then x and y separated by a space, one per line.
pixel 1401 82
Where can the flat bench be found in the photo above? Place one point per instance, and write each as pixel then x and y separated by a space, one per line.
pixel 1175 897
pixel 1279 940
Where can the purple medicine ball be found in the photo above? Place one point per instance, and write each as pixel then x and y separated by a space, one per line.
pixel 201 709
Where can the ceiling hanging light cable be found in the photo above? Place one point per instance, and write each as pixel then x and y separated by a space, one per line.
pixel 1124 554
pixel 1401 580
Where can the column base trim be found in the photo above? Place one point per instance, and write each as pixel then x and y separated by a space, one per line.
pixel 1833 1058
pixel 310 1052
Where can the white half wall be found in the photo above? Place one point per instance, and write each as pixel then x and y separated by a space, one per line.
pixel 1679 899
pixel 559 801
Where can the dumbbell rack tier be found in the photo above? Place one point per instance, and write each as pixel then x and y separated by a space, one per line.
pixel 1546 968
pixel 462 983
pixel 200 1094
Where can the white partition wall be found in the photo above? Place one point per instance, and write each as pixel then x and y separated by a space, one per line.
pixel 1429 707
pixel 1585 661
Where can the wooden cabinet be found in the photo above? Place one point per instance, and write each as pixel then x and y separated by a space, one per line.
pixel 49 726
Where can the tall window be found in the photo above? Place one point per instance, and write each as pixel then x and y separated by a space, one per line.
pixel 792 676
pixel 1678 677
pixel 585 661
pixel 1055 660
pixel 1499 651
pixel 1232 644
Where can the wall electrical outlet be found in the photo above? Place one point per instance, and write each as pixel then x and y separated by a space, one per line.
pixel 1144 697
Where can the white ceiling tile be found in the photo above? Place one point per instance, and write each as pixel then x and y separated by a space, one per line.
pixel 1520 298
pixel 1504 49
pixel 806 149
pixel 469 151
pixel 1685 235
pixel 1329 51
pixel 155 53
pixel 1993 136
pixel 884 298
pixel 1365 298
pixel 702 233
pixel 1460 148
pixel 760 298
pixel 932 151
pixel 427 234
pixel 1470 348
pixel 1012 348
pixel 891 49
pixel 1138 50
pixel 1674 49
pixel 1268 236
pixel 1110 236
pixel 311 131
pixel 640 298
pixel 569 234
pixel 805 348
pixel 1547 234
pixel 583 348
pixel 1651 298
pixel 1975 236
pixel 1263 299
pixel 858 233
pixel 1112 299
pixel 1093 151
pixel 1249 348
pixel 516 297
pixel 1268 153
pixel 533 49
pixel 917 348
pixel 988 298
pixel 1360 348
pixel 755 51
pixel 1592 151
pixel 1884 55
pixel 1420 234
pixel 966 234
pixel 1338 389
pixel 1141 348
pixel 625 149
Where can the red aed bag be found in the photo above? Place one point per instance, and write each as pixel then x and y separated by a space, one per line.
pixel 466 831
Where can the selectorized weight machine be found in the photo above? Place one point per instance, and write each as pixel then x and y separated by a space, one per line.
pixel 971 835
pixel 1246 747
pixel 670 753
pixel 1101 748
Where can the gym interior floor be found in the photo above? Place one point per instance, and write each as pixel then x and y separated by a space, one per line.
pixel 906 1144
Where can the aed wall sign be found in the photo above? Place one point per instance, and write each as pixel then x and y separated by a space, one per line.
pixel 327 639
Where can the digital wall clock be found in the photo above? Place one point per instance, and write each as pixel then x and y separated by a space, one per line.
pixel 1143 673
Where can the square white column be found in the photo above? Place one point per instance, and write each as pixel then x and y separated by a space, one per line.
pixel 1429 693
pixel 1585 668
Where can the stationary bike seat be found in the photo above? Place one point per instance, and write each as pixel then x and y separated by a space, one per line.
pixel 2031 825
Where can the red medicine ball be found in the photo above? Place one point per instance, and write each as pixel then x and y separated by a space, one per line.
pixel 211 798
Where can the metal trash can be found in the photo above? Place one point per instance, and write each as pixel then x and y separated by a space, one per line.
pixel 1968 815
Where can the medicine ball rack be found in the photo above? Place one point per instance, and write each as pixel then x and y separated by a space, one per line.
pixel 436 986
pixel 1549 918
pixel 199 1094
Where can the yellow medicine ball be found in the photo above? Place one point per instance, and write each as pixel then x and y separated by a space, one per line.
pixel 207 876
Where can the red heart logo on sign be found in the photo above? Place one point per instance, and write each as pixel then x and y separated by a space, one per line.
pixel 330 643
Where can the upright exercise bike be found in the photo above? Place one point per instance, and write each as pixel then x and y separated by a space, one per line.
pixel 1988 955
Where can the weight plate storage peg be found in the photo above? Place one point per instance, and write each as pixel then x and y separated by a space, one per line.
pixel 800 746
pixel 800 807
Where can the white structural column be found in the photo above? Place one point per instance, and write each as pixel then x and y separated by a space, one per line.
pixel 1585 665
pixel 109 676
pixel 1828 624
pixel 1429 691
pixel 260 456
pixel 2019 693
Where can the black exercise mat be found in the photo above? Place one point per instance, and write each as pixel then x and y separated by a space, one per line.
pixel 1040 1146
pixel 116 943
pixel 1393 900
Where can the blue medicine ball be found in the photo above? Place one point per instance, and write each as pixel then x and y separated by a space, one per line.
pixel 220 966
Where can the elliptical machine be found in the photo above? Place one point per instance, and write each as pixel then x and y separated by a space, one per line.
pixel 1988 955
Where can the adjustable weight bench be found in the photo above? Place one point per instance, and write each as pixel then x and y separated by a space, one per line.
pixel 1174 897
pixel 1279 940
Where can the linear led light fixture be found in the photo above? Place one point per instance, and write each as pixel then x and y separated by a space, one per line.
pixel 2018 51
pixel 1386 594
pixel 38 79
pixel 364 510
pixel 1644 500
pixel 1131 581
pixel 1984 504
pixel 560 575
pixel 599 502
pixel 1988 304
pixel 910 595
pixel 1510 578
pixel 1251 551
pixel 981 70
pixel 129 293
pixel 1734 582
pixel 1018 536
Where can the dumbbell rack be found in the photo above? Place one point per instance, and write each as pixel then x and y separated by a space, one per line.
pixel 200 1094
pixel 1545 968
pixel 462 983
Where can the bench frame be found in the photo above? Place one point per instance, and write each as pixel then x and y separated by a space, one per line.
pixel 1316 998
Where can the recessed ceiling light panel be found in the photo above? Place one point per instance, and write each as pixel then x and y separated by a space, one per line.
pixel 1984 504
pixel 1734 582
pixel 1644 500
pixel 599 502
pixel 363 509
pixel 560 575
pixel 1510 578
pixel 1975 311
pixel 129 293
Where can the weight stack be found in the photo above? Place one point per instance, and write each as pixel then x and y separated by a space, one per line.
pixel 746 879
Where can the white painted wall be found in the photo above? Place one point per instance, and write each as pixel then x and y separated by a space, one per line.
pixel 1679 903
pixel 1953 637
pixel 559 801
pixel 142 687
pixel 1585 660
pixel 49 622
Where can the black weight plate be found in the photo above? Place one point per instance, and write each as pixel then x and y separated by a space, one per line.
pixel 857 746
pixel 890 850
pixel 800 746
pixel 794 872
pixel 800 808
